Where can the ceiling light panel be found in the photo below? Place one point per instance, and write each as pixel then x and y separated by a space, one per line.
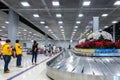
pixel 62 29
pixel 42 22
pixel 24 30
pixel 76 26
pixel 58 15
pixel 75 29
pixel 61 26
pixel 49 30
pixel 60 22
pixel 7 22
pixel 55 3
pixel 86 3
pixel 106 26
pixel 3 26
pixel 117 3
pixel 46 27
pixel 30 32
pixel 78 22
pixel 104 15
pixel 25 4
pixel 62 32
pixel 114 22
pixel 80 15
pixel 74 32
pixel 36 15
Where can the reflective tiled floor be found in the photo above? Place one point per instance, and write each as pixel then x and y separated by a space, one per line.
pixel 28 72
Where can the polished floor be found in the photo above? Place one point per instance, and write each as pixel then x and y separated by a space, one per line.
pixel 104 66
pixel 28 72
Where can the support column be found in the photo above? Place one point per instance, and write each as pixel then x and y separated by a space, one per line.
pixel 114 33
pixel 95 24
pixel 13 26
pixel 46 40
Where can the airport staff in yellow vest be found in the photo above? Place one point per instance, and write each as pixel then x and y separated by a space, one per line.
pixel 18 49
pixel 7 52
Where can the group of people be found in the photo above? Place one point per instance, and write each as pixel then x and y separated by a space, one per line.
pixel 49 50
pixel 6 52
pixel 16 51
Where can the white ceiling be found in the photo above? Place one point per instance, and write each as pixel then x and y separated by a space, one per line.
pixel 23 35
pixel 70 10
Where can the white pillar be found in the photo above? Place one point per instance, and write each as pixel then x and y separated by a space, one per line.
pixel 114 33
pixel 13 26
pixel 95 24
pixel 46 40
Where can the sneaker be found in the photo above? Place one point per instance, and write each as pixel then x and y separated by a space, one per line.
pixel 20 66
pixel 7 71
pixel 36 64
pixel 33 63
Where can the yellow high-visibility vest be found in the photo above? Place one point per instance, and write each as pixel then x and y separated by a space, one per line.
pixel 6 48
pixel 18 48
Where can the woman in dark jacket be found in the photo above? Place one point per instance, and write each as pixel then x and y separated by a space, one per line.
pixel 34 52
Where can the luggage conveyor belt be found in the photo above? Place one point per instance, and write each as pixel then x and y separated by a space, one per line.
pixel 67 66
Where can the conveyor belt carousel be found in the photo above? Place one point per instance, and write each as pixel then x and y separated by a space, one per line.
pixel 68 66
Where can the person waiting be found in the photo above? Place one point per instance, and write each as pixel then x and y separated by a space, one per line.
pixel 34 52
pixel 18 50
pixel 7 52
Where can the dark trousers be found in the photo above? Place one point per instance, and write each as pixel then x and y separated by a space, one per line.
pixel 7 61
pixel 34 57
pixel 19 59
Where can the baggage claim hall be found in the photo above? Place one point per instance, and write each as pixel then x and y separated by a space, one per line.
pixel 59 39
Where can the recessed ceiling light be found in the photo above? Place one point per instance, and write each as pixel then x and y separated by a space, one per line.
pixel 3 27
pixel 0 30
pixel 24 30
pixel 49 30
pixel 105 26
pixel 90 22
pixel 60 22
pixel 75 29
pixel 117 3
pixel 62 29
pixel 80 15
pixel 19 32
pixel 76 26
pixel 34 34
pixel 78 22
pixel 55 3
pixel 29 35
pixel 30 32
pixel 25 4
pixel 86 3
pixel 52 32
pixel 61 26
pixel 36 15
pixel 62 32
pixel 74 32
pixel 7 22
pixel 58 15
pixel 104 15
pixel 46 26
pixel 42 22
pixel 25 34
pixel 114 22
